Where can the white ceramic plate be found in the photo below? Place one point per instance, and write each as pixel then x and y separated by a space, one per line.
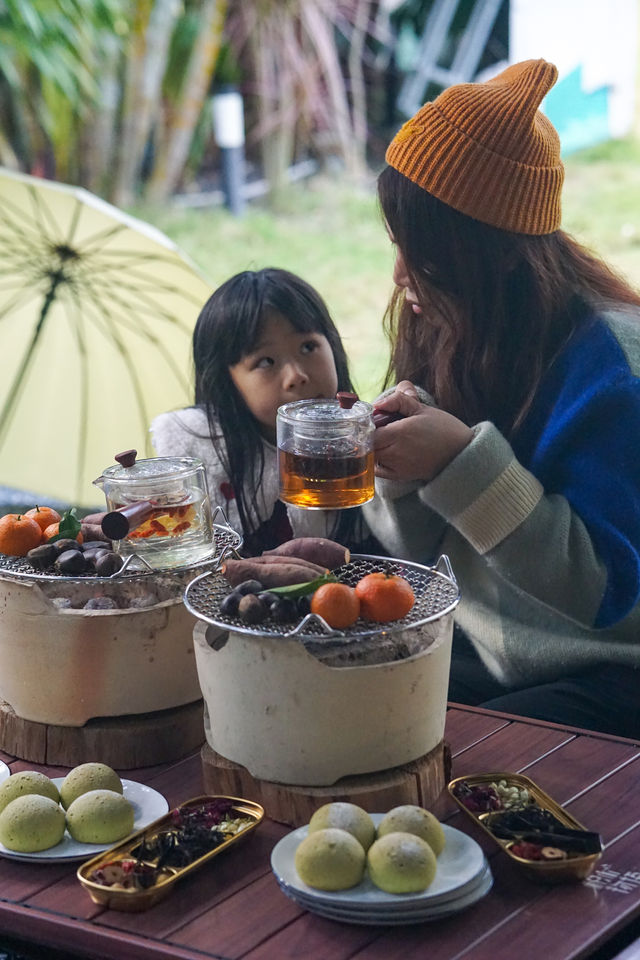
pixel 5 773
pixel 148 805
pixel 388 917
pixel 461 862
pixel 399 905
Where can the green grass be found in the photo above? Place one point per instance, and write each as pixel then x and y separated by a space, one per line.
pixel 332 234
pixel 601 205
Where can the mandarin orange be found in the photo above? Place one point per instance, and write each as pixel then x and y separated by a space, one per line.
pixel 18 534
pixel 44 516
pixel 52 531
pixel 384 597
pixel 336 603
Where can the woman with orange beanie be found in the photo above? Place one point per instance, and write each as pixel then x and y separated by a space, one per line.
pixel 516 355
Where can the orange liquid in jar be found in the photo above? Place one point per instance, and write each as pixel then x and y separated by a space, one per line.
pixel 326 483
pixel 166 522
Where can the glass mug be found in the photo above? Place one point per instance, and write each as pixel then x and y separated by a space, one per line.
pixel 325 454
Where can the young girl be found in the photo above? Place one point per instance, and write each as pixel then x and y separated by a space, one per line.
pixel 524 463
pixel 262 339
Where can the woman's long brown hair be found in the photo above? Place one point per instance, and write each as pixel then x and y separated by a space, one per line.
pixel 497 307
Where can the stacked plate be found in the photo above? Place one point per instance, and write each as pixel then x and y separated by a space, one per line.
pixel 463 877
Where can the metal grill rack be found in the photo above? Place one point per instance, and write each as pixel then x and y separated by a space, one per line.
pixel 19 568
pixel 436 594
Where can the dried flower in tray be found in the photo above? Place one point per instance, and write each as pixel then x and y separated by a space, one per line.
pixel 537 826
pixel 192 833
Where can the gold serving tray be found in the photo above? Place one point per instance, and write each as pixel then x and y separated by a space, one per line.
pixel 546 871
pixel 134 901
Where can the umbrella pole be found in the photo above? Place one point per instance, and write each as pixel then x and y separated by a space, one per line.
pixel 12 396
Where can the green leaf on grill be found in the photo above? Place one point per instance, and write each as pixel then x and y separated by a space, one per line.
pixel 302 589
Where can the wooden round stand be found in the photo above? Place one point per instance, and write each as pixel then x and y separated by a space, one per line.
pixel 419 782
pixel 137 740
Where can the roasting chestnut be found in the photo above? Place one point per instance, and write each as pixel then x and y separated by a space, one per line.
pixel 249 586
pixel 230 604
pixel 108 564
pixel 43 556
pixel 71 562
pixel 60 546
pixel 252 610
pixel 283 610
pixel 94 545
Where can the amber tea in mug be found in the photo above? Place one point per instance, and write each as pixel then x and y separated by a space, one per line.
pixel 325 454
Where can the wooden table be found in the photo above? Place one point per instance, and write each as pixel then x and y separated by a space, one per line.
pixel 233 908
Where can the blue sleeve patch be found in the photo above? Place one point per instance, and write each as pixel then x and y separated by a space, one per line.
pixel 583 441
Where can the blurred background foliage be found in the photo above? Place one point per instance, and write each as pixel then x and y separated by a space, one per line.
pixel 113 94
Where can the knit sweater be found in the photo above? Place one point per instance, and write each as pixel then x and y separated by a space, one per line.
pixel 185 433
pixel 543 535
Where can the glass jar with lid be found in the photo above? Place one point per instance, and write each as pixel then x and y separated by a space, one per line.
pixel 159 509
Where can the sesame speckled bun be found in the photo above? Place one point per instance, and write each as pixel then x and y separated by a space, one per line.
pixel 412 819
pixel 345 816
pixel 401 863
pixel 100 816
pixel 25 782
pixel 86 777
pixel 330 859
pixel 31 823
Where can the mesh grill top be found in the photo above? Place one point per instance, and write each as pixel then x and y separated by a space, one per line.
pixel 436 594
pixel 19 568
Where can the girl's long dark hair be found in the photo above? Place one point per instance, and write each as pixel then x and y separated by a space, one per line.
pixel 497 307
pixel 228 327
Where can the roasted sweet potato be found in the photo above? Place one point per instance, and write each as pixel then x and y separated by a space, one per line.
pixel 314 569
pixel 326 553
pixel 94 518
pixel 93 531
pixel 269 574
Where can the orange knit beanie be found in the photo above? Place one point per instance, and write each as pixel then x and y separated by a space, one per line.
pixel 487 151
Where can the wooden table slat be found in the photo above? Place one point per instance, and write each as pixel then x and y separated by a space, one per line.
pixel 20 880
pixel 463 729
pixel 64 933
pixel 232 928
pixel 505 751
pixel 598 914
pixel 578 765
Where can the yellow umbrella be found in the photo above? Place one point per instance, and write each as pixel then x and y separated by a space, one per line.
pixel 96 315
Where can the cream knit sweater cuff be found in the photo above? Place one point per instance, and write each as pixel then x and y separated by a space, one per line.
pixel 484 492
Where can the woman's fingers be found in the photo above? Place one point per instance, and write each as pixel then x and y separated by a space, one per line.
pixel 405 386
pixel 404 403
pixel 385 473
pixel 419 447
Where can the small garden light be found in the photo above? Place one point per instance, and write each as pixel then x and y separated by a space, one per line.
pixel 228 130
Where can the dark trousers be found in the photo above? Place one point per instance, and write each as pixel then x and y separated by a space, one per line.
pixel 605 698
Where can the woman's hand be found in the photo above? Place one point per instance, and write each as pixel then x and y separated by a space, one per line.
pixel 421 444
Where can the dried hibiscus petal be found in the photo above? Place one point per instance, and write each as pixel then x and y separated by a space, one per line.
pixel 478 799
pixel 527 851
